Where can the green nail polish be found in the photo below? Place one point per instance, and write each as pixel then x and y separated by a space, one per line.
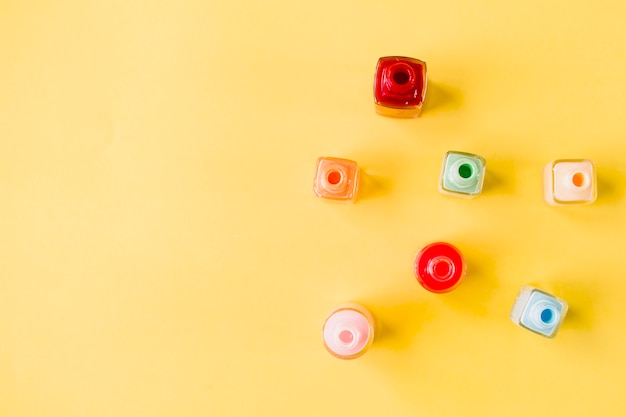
pixel 462 174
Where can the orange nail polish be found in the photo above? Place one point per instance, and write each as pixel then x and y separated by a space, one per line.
pixel 570 181
pixel 336 179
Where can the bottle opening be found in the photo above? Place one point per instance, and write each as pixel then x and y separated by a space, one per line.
pixel 579 179
pixel 544 315
pixel 346 336
pixel 333 177
pixel 401 77
pixel 547 316
pixel 441 268
pixel 465 171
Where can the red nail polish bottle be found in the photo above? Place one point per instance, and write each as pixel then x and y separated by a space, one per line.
pixel 399 86
pixel 439 267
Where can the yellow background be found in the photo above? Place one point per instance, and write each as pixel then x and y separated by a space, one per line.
pixel 162 252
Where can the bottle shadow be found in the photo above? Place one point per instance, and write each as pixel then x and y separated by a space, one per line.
pixel 403 317
pixel 580 300
pixel 441 97
pixel 500 177
pixel 476 289
pixel 611 185
pixel 373 185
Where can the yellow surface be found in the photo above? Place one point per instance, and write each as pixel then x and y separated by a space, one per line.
pixel 162 252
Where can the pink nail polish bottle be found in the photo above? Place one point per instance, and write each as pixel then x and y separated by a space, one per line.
pixel 336 179
pixel 348 331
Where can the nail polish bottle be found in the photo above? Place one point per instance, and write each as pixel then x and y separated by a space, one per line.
pixel 462 174
pixel 439 267
pixel 538 311
pixel 569 182
pixel 399 86
pixel 336 179
pixel 348 331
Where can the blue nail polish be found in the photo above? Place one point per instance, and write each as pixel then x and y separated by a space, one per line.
pixel 538 311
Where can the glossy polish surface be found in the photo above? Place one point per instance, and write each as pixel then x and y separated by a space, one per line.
pixel 348 331
pixel 399 86
pixel 439 267
pixel 336 179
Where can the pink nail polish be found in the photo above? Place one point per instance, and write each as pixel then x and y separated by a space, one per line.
pixel 439 267
pixel 348 331
pixel 336 179
pixel 570 181
pixel 399 86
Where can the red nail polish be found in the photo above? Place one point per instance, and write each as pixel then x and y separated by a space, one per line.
pixel 336 179
pixel 399 86
pixel 439 267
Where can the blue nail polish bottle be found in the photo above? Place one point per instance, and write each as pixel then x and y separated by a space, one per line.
pixel 538 311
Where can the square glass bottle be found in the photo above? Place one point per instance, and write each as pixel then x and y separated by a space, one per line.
pixel 538 311
pixel 462 174
pixel 336 179
pixel 569 182
pixel 399 86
